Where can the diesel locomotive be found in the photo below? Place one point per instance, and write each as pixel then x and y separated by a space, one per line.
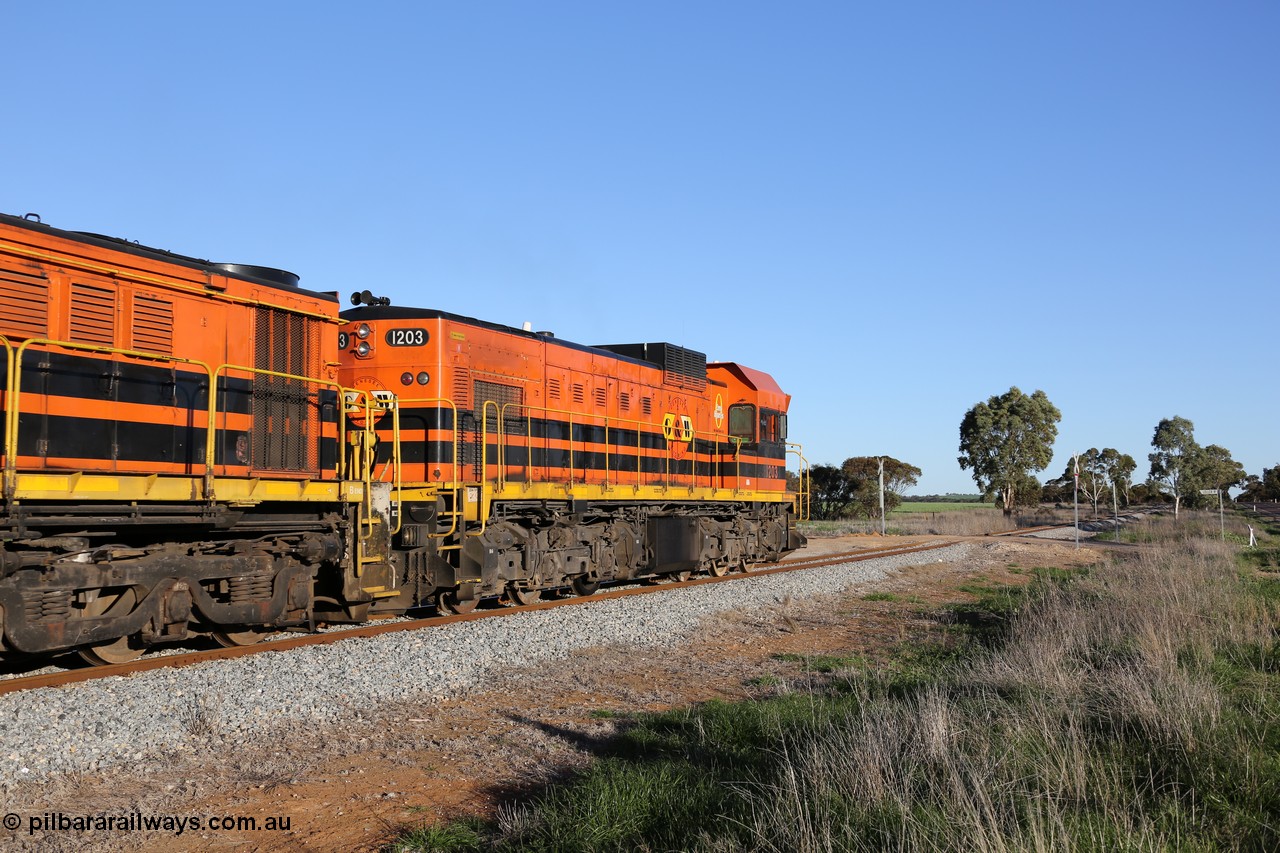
pixel 203 449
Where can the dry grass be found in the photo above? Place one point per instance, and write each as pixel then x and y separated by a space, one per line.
pixel 1090 726
pixel 966 522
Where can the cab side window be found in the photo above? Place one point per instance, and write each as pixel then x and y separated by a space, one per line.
pixel 742 421
pixel 773 425
pixel 768 425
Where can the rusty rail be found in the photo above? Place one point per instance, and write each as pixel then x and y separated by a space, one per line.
pixel 58 679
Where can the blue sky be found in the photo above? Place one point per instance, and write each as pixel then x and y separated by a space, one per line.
pixel 897 209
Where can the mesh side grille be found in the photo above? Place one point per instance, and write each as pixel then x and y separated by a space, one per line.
pixel 509 400
pixel 24 305
pixel 153 325
pixel 286 417
pixel 93 315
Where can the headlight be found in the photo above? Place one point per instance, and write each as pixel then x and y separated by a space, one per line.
pixel 363 331
pixel 423 378
pixel 363 349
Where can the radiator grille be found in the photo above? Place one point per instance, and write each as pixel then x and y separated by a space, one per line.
pixel 24 305
pixel 509 400
pixel 286 422
pixel 153 325
pixel 93 315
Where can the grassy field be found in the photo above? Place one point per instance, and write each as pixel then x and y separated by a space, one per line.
pixel 1132 706
pixel 939 506
pixel 977 520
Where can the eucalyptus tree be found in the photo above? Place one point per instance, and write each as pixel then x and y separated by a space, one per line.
pixel 831 492
pixel 1093 474
pixel 1171 461
pixel 1261 488
pixel 1100 472
pixel 1005 439
pixel 864 474
pixel 1213 468
pixel 1119 469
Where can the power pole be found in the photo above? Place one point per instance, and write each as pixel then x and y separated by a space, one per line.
pixel 883 527
pixel 1075 494
pixel 1115 508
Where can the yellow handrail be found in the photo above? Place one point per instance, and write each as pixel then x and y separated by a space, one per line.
pixel 15 394
pixel 258 371
pixel 805 487
pixel 10 463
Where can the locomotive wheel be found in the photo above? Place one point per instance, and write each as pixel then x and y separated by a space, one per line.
pixel 231 639
pixel 521 597
pixel 449 604
pixel 681 577
pixel 122 650
pixel 584 586
pixel 717 569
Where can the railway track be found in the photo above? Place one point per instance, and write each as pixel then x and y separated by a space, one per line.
pixel 1022 531
pixel 18 683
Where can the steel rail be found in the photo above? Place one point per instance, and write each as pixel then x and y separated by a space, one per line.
pixel 181 659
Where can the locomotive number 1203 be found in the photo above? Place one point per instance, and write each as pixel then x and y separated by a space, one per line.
pixel 406 337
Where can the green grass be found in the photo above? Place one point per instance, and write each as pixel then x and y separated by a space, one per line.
pixel 461 836
pixel 823 663
pixel 608 714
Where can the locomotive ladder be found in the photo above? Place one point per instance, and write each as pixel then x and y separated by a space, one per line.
pixel 364 463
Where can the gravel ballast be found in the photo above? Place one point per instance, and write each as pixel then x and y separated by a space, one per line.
pixel 224 704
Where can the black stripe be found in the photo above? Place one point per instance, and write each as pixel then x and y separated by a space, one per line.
pixel 130 441
pixel 95 438
pixel 81 377
pixel 441 453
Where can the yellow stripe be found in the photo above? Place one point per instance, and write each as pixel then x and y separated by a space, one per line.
pixel 596 492
pixel 153 487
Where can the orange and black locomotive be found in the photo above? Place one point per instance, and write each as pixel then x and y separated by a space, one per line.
pixel 201 449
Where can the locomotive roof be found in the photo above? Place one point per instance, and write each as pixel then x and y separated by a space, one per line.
pixel 396 312
pixel 119 244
